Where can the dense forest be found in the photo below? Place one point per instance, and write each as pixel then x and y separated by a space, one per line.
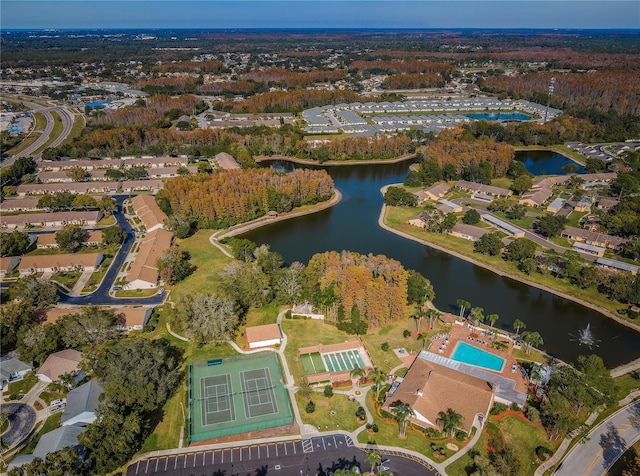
pixel 229 197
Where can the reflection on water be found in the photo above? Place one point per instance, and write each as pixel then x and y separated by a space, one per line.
pixel 353 225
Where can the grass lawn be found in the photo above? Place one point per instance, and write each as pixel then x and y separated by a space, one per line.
pixel 96 277
pixel 392 334
pixel 41 121
pixel 137 292
pixel 532 356
pixel 53 392
pixel 627 383
pixel 267 314
pixel 107 220
pixel 303 333
pixel 415 438
pixel 343 419
pixel 397 218
pixel 209 261
pixel 68 279
pixel 79 124
pixel 524 437
pixel 55 133
pixel 50 424
pixel 26 142
pixel 20 387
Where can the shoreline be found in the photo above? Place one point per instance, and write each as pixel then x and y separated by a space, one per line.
pixel 333 163
pixel 258 222
pixel 515 277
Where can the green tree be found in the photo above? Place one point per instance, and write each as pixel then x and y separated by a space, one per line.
pixel 328 391
pixel 521 184
pixel 471 217
pixel 137 373
pixel 476 314
pixel 113 235
pixel 36 343
pixel 492 318
pixel 448 223
pixel 625 184
pixel 399 197
pixel 84 202
pixel 532 339
pixel 107 205
pixel 551 225
pixel 374 459
pixel 34 292
pixel 402 413
pixel 419 288
pixel 379 379
pixel 520 249
pixel 424 337
pixel 15 243
pixel 304 387
pixel 78 174
pixel 181 225
pixel 174 265
pixel 91 326
pixel 356 374
pixel 71 238
pixel 518 324
pixel 207 318
pixel 245 283
pixel 13 317
pixel 449 421
pixel 462 304
pixel 516 212
pixel 241 248
pixel 489 244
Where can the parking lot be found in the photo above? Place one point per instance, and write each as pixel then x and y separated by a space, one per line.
pixel 238 456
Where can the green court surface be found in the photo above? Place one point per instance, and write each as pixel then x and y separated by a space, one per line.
pixel 312 363
pixel 344 360
pixel 236 394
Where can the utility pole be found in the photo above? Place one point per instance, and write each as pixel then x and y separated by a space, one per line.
pixel 546 112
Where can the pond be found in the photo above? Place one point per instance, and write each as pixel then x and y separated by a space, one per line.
pixel 353 225
pixel 546 162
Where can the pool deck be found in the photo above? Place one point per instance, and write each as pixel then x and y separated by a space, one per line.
pixel 471 336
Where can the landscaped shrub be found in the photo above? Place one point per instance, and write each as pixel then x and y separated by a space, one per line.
pixel 374 427
pixel 328 391
pixel 406 333
pixel 433 433
pixel 543 453
pixel 311 407
pixel 461 435
pixel 532 414
pixel 361 413
pixel 288 314
pixel 496 441
pixel 384 346
pixel 515 407
pixel 498 408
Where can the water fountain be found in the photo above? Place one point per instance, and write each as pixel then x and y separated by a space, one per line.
pixel 586 337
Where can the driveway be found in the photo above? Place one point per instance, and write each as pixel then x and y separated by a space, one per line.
pixel 604 445
pixel 22 418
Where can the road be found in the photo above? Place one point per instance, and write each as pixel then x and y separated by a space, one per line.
pixel 604 445
pixel 67 124
pixel 101 295
pixel 295 457
pixel 22 418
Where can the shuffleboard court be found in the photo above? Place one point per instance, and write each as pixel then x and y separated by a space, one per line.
pixel 236 394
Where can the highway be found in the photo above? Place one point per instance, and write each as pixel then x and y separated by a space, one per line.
pixel 65 115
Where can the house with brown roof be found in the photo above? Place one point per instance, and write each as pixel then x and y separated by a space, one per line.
pixel 418 221
pixel 606 204
pixel 48 240
pixel 263 336
pixel 75 187
pixel 594 238
pixel 20 205
pixel 60 363
pixel 536 197
pixel 57 263
pixel 8 264
pixel 434 192
pixel 154 162
pixel 482 188
pixel 430 388
pixel 168 172
pixel 143 273
pixel 146 208
pixel 131 186
pixel 468 232
pixel 50 220
pixel 226 161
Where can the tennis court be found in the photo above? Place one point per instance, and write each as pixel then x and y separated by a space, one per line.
pixel 236 394
pixel 343 360
pixel 312 363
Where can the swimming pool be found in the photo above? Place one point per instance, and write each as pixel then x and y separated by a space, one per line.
pixel 498 116
pixel 469 354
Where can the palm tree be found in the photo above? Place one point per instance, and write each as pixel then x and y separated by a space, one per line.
pixel 532 339
pixel 492 318
pixel 424 337
pixel 449 421
pixel 418 316
pixel 432 314
pixel 304 387
pixel 401 413
pixel 379 379
pixel 477 314
pixel 356 374
pixel 518 324
pixel 374 458
pixel 463 305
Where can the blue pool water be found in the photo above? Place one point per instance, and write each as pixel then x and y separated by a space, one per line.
pixel 97 104
pixel 498 116
pixel 469 354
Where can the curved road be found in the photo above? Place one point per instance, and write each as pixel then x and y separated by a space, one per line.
pixel 604 445
pixel 22 418
pixel 67 124
pixel 101 295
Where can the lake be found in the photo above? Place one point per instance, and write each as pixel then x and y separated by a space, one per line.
pixel 546 162
pixel 353 225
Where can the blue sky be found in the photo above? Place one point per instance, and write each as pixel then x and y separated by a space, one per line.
pixel 600 14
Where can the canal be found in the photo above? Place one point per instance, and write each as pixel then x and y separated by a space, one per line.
pixel 353 225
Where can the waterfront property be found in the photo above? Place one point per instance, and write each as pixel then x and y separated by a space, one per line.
pixel 617 265
pixel 503 225
pixel 468 232
pixel 594 238
pixel 334 362
pixel 482 188
pixel 237 394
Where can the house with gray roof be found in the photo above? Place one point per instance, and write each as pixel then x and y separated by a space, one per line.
pixel 81 404
pixel 12 369
pixel 56 440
